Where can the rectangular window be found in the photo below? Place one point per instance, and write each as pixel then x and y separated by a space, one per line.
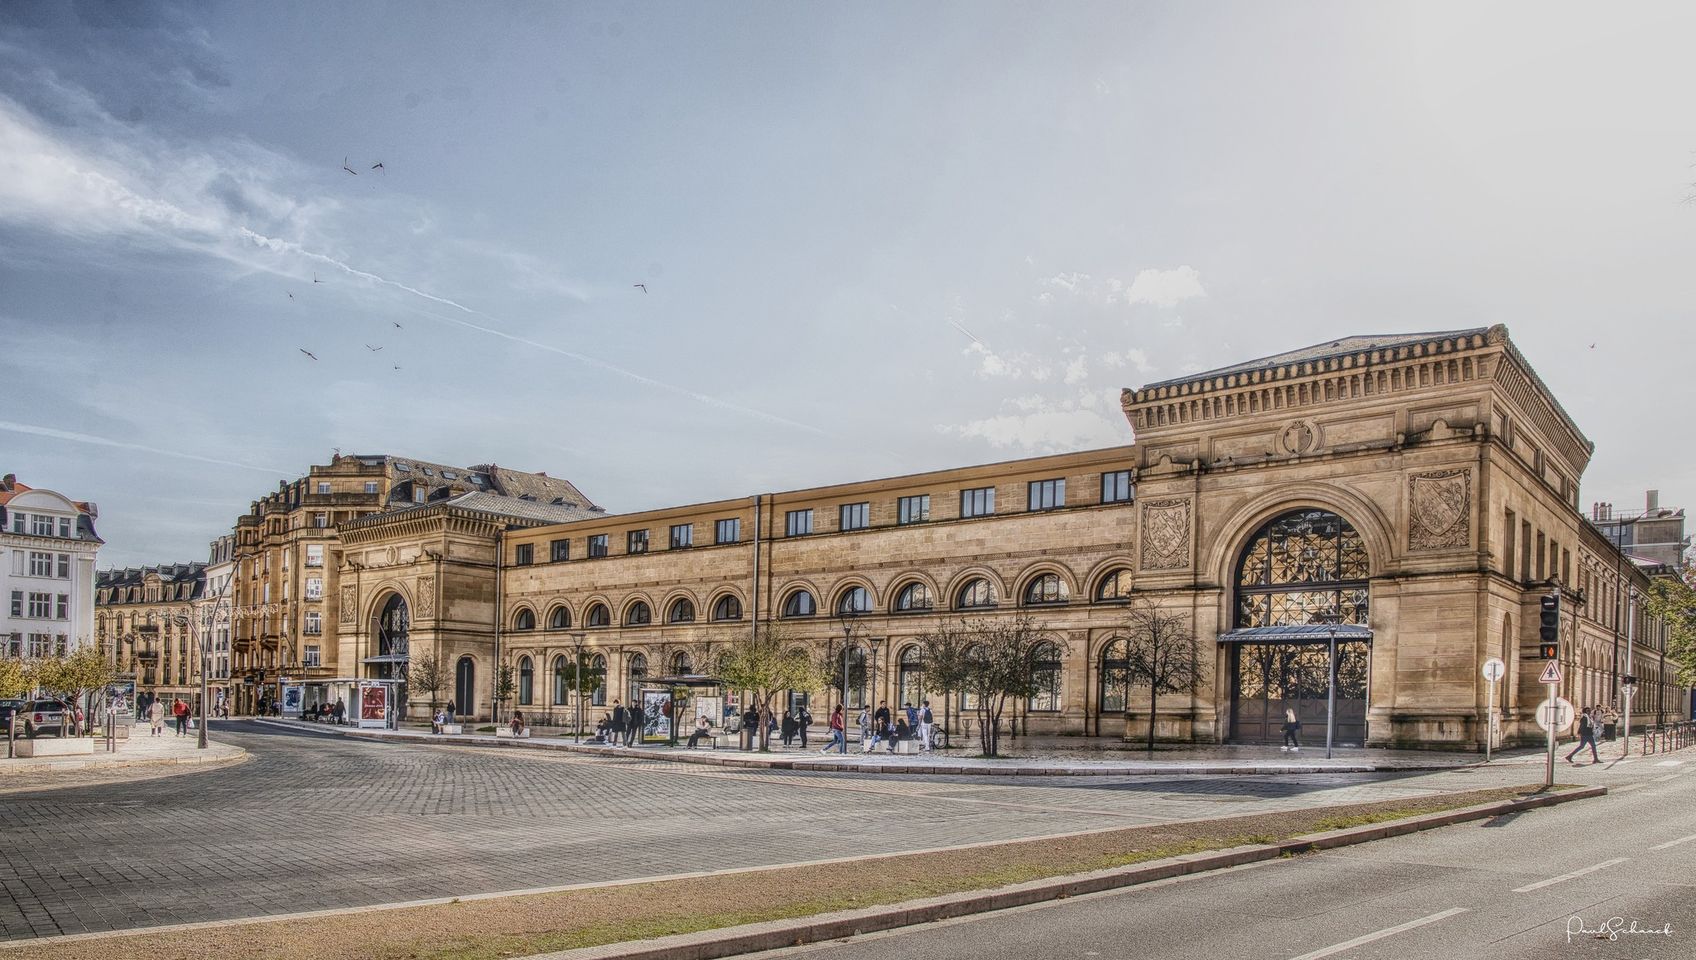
pixel 18 559
pixel 370 486
pixel 682 535
pixel 419 493
pixel 856 516
pixel 314 588
pixel 320 520
pixel 798 523
pixel 62 607
pixel 64 528
pixel 1047 494
pixel 1116 487
pixel 559 550
pixel 636 541
pixel 40 605
pixel 14 645
pixel 977 502
pixel 17 603
pixel 313 623
pixel 598 545
pixel 41 526
pixel 62 646
pixel 18 520
pixel 312 657
pixel 41 564
pixel 523 555
pixel 727 531
pixel 314 554
pixel 1510 536
pixel 323 486
pixel 913 509
pixel 64 566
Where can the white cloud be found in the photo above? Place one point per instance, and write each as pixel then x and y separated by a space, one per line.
pixel 1078 370
pixel 1137 359
pixel 1165 288
pixel 1045 431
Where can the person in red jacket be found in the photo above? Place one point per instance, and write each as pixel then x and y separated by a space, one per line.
pixel 838 736
pixel 180 711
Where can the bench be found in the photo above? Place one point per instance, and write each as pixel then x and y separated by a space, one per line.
pixel 505 731
pixel 907 747
pixel 710 735
pixel 453 729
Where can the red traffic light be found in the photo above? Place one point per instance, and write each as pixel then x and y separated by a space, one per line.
pixel 1549 651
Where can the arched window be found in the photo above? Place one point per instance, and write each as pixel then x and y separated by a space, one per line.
pixel 598 616
pixel 526 681
pixel 465 686
pixel 638 615
pixel 968 699
pixel 976 594
pixel 597 673
pixel 682 611
pixel 559 618
pixel 1114 587
pixel 562 680
pixel 1115 676
pixel 913 598
pixel 910 685
pixel 855 600
pixel 856 692
pixel 638 670
pixel 727 608
pixel 681 665
pixel 1048 588
pixel 524 620
pixel 1304 567
pixel 1045 678
pixel 799 604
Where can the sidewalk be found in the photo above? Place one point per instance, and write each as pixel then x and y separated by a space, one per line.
pixel 1027 756
pixel 141 750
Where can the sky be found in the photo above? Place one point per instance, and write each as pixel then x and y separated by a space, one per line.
pixel 875 238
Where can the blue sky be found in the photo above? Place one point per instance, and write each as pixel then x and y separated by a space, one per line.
pixel 876 238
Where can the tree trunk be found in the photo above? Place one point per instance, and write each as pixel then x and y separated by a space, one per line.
pixel 1153 698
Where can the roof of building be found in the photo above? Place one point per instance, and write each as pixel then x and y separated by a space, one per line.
pixel 186 574
pixel 10 489
pixel 495 505
pixel 483 477
pixel 1330 348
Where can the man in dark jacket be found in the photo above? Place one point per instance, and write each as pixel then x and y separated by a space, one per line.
pixel 750 728
pixel 804 719
pixel 620 717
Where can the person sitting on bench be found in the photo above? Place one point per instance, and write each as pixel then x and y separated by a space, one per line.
pixel 702 729
pixel 517 723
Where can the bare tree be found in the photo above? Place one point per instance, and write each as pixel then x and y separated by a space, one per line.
pixel 765 664
pixel 946 666
pixel 504 686
pixel 1161 653
pixel 997 655
pixel 427 674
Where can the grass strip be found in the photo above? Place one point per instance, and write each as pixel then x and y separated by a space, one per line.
pixel 521 925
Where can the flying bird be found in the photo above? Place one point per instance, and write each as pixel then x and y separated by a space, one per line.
pixel 643 286
pixel 397 326
pixel 1592 346
pixel 307 352
pixel 378 165
pixel 315 279
pixel 348 168
pixel 291 296
pixel 372 349
pixel 397 366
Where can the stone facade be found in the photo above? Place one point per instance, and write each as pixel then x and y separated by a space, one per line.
pixel 47 556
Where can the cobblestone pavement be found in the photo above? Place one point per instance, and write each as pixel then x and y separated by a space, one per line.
pixel 314 821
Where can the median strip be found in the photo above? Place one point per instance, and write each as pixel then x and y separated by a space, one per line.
pixel 694 917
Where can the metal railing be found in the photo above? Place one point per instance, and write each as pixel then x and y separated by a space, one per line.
pixel 1667 737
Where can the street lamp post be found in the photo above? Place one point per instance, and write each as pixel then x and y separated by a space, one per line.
pixel 577 680
pixel 847 649
pixel 1628 683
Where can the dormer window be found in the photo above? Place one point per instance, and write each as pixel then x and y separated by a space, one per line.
pixel 419 492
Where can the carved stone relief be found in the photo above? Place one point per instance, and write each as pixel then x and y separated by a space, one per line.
pixel 1440 510
pixel 1166 534
pixel 426 598
pixel 350 600
pixel 1299 437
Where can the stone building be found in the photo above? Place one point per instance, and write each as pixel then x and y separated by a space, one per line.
pixel 147 618
pixel 47 557
pixel 285 592
pixel 1655 536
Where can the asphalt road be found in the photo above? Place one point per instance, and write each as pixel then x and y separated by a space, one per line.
pixel 315 821
pixel 1544 884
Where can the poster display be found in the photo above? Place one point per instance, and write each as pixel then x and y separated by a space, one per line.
pixel 294 699
pixel 373 705
pixel 710 707
pixel 656 715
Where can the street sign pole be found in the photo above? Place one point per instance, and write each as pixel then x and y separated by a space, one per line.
pixel 1551 679
pixel 1494 669
pixel 1549 764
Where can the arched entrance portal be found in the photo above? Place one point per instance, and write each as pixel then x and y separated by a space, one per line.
pixel 394 648
pixel 465 686
pixel 1301 575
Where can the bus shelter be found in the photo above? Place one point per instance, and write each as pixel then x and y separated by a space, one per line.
pixel 672 702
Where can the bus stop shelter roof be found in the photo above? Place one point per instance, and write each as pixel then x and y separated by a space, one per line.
pixel 683 680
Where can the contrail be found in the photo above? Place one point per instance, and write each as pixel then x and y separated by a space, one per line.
pixel 285 246
pixel 629 374
pixel 55 434
pixel 955 324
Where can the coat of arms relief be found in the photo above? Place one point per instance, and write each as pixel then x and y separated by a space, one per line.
pixel 1440 510
pixel 1166 534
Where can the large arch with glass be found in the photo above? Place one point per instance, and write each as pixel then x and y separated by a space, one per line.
pixel 1302 575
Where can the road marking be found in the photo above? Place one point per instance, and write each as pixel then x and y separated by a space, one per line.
pixel 1381 934
pixel 1629 786
pixel 1569 876
pixel 1663 778
pixel 1673 843
pixel 1669 763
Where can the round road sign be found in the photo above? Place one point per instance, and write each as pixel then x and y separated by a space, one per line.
pixel 1494 669
pixel 1560 710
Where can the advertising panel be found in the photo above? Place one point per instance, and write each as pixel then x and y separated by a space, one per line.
pixel 293 699
pixel 373 704
pixel 656 715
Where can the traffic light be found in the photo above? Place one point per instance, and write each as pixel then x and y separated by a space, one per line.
pixel 1549 628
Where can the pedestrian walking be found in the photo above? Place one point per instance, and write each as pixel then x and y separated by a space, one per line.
pixel 338 711
pixel 620 717
pixel 156 718
pixel 180 711
pixel 1586 735
pixel 864 722
pixel 790 726
pixel 837 733
pixel 804 720
pixel 634 721
pixel 1292 726
pixel 927 725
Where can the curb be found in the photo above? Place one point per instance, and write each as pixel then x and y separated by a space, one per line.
pixel 707 759
pixel 753 938
pixel 63 765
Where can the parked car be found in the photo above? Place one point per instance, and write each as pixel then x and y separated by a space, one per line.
pixel 42 715
pixel 9 708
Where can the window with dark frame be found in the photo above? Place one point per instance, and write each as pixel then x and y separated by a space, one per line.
pixel 977 502
pixel 913 509
pixel 523 555
pixel 636 541
pixel 682 535
pixel 1047 494
pixel 1116 487
pixel 856 516
pixel 798 523
pixel 559 550
pixel 598 545
pixel 727 531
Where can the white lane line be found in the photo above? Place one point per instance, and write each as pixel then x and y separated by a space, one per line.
pixel 1569 876
pixel 1669 763
pixel 1381 934
pixel 1663 778
pixel 1673 843
pixel 1623 789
